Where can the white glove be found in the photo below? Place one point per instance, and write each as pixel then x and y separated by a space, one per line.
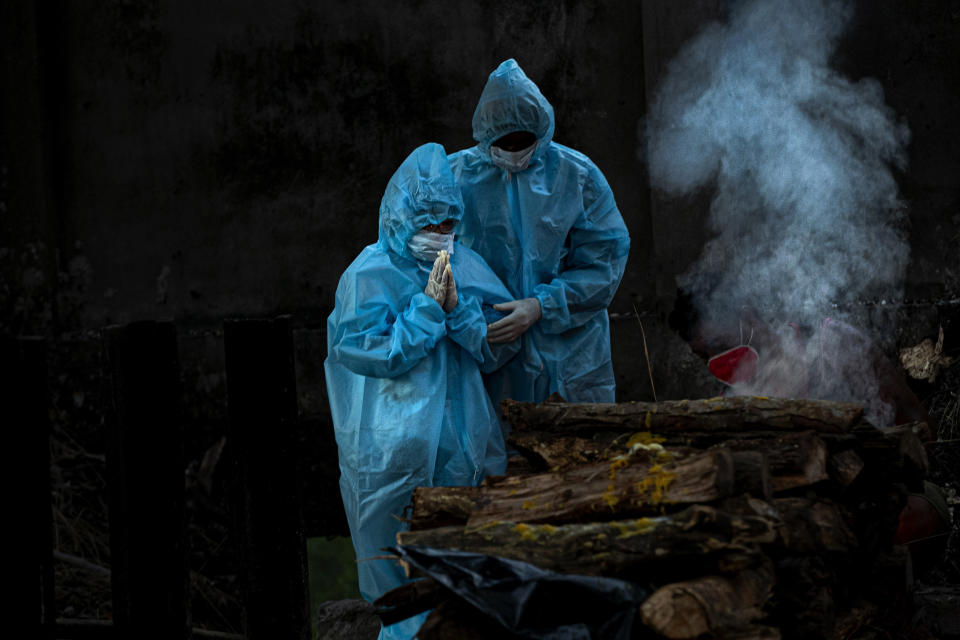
pixel 523 314
pixel 450 302
pixel 437 282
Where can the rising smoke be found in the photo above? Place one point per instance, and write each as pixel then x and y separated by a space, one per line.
pixel 805 213
pixel 805 209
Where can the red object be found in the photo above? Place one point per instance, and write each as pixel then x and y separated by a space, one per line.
pixel 735 365
pixel 919 520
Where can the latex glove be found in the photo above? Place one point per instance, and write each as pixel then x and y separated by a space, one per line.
pixel 450 303
pixel 437 281
pixel 523 314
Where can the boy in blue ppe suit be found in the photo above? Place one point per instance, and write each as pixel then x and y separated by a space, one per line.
pixel 406 344
pixel 545 220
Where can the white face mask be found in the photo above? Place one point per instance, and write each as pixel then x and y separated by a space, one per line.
pixel 512 161
pixel 425 245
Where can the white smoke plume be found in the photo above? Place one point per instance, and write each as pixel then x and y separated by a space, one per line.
pixel 805 211
pixel 805 215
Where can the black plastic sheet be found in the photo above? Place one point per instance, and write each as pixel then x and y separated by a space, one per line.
pixel 530 601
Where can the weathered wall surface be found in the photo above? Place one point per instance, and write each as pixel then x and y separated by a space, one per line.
pixel 199 160
pixel 229 157
pixel 912 49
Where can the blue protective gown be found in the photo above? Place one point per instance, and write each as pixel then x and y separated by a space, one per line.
pixel 404 377
pixel 552 232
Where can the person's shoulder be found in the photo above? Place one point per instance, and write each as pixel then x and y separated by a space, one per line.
pixel 472 168
pixel 465 158
pixel 590 173
pixel 373 263
pixel 572 156
pixel 371 254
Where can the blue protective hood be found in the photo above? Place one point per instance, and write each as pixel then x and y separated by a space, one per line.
pixel 512 102
pixel 422 191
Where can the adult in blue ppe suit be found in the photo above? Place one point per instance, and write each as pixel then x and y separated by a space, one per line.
pixel 544 219
pixel 405 353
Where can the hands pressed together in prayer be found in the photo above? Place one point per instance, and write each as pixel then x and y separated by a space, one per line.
pixel 521 314
pixel 441 285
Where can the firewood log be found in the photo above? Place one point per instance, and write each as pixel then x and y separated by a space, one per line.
pixel 629 486
pixel 844 467
pixel 710 604
pixel 410 599
pixel 813 526
pixel 751 474
pixel 455 618
pixel 762 466
pixel 555 452
pixel 743 414
pixel 547 452
pixel 804 525
pixel 441 506
pixel 688 541
pixel 796 459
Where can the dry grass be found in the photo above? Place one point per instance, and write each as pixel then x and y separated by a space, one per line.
pixel 944 403
pixel 82 548
pixel 80 530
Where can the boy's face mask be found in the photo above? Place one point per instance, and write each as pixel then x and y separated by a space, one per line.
pixel 425 245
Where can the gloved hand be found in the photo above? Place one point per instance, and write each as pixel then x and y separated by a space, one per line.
pixel 450 303
pixel 523 313
pixel 437 281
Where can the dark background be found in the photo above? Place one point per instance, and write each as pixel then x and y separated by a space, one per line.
pixel 195 161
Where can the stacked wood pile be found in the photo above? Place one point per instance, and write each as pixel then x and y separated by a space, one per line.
pixel 744 517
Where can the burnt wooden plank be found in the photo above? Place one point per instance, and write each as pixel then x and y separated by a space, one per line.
pixel 23 395
pixel 145 467
pixel 35 419
pixel 262 406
